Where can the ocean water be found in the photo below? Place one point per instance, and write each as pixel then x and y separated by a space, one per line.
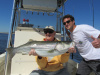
pixel 3 45
pixel 3 42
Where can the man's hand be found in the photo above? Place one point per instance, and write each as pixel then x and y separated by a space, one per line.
pixel 72 50
pixel 32 52
pixel 95 42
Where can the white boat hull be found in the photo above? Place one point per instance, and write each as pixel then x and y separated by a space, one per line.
pixel 2 63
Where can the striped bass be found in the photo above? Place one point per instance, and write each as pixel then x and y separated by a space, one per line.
pixel 43 48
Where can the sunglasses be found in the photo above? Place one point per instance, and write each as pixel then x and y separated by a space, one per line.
pixel 64 23
pixel 48 31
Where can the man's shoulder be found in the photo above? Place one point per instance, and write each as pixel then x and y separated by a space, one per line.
pixel 82 27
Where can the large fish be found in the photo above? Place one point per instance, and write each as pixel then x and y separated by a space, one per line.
pixel 43 48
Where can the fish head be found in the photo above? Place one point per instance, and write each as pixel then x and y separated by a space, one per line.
pixel 61 46
pixel 64 46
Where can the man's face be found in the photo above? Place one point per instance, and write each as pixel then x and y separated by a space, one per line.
pixel 50 36
pixel 68 24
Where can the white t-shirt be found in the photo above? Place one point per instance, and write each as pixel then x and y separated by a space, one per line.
pixel 82 38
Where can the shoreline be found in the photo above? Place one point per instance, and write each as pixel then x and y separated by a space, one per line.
pixel 4 32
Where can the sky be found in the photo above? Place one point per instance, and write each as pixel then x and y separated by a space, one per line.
pixel 82 11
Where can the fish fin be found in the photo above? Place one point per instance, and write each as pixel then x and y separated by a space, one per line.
pixel 30 40
pixel 51 51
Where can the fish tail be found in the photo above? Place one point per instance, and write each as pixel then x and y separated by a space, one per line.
pixel 10 52
pixel 8 49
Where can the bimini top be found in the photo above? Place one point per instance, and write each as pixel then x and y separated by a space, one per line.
pixel 42 5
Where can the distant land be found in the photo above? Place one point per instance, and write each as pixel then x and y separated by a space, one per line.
pixel 4 32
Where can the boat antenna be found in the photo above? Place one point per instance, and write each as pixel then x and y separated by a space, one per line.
pixel 93 12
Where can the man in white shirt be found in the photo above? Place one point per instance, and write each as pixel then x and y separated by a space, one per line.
pixel 87 40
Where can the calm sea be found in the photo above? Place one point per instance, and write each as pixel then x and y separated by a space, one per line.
pixel 3 45
pixel 3 42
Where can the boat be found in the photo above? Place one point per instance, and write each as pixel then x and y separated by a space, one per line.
pixel 21 64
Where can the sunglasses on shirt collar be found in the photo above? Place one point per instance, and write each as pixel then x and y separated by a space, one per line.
pixel 64 23
pixel 48 31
